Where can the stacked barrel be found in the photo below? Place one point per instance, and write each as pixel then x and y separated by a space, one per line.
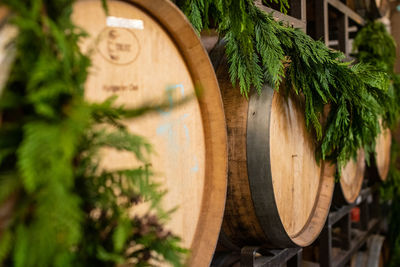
pixel 247 165
pixel 351 180
pixel 146 52
pixel 254 154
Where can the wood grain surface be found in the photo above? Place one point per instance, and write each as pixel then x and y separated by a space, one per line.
pixel 382 149
pixel 148 53
pixel 352 178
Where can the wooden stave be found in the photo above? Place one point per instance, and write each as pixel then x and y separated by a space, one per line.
pixel 225 240
pixel 270 232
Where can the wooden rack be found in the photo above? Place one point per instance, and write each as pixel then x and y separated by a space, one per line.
pixel 296 17
pixel 347 241
pixel 260 257
pixel 345 16
pixel 351 237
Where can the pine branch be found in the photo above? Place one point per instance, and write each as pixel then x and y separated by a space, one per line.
pixel 261 50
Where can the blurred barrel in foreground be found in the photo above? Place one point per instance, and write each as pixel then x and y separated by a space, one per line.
pixel 147 52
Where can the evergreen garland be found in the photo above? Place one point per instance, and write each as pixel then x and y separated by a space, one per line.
pixel 283 4
pixel 375 46
pixel 66 209
pixel 261 50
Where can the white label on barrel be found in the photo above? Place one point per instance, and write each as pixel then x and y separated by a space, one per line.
pixel 124 23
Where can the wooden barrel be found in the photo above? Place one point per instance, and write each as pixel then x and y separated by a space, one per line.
pixel 146 51
pixel 382 156
pixel 373 257
pixel 380 165
pixel 351 180
pixel 277 193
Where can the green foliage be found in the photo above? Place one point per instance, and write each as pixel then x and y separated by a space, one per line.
pixel 283 4
pixel 375 46
pixel 67 210
pixel 261 50
pixel 197 13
